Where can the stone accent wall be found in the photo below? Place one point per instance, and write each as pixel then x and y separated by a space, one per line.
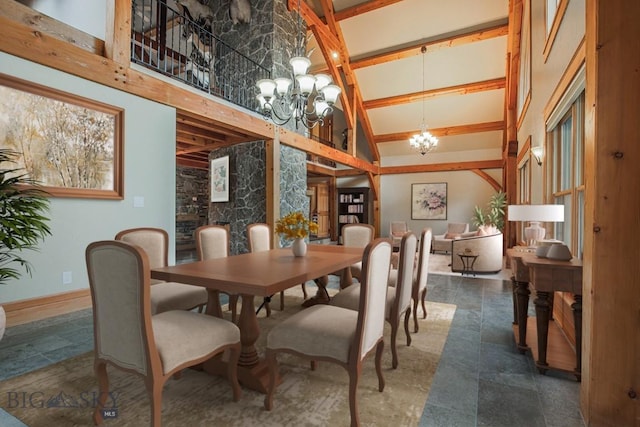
pixel 269 39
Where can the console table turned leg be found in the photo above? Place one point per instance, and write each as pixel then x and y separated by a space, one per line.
pixel 514 297
pixel 542 323
pixel 522 297
pixel 577 319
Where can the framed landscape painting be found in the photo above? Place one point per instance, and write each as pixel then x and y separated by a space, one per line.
pixel 429 201
pixel 220 179
pixel 71 146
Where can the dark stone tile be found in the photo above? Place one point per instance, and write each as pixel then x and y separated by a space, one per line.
pixel 469 301
pixel 437 416
pixel 467 319
pixel 502 405
pixel 68 351
pixel 499 365
pixel 14 367
pixel 454 389
pixel 446 296
pixel 8 420
pixel 463 354
pixel 560 394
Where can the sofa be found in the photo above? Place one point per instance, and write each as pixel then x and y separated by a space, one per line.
pixel 488 248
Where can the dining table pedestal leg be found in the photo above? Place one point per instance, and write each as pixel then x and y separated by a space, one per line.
pixel 253 371
pixel 321 296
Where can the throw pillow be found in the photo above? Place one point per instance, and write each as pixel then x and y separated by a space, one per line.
pixel 452 236
pixel 482 231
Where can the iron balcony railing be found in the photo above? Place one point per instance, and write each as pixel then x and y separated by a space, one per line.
pixel 176 44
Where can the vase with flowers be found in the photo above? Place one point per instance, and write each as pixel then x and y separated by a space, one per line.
pixel 295 226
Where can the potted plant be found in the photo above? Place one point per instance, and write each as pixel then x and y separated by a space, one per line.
pixel 492 218
pixel 22 221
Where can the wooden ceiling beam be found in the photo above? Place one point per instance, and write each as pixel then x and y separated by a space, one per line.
pixel 444 131
pixel 363 8
pixel 442 167
pixel 463 89
pixel 475 35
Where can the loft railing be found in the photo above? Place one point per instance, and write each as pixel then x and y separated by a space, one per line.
pixel 174 43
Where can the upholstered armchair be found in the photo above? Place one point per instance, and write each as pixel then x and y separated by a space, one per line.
pixel 397 229
pixel 442 242
pixel 489 251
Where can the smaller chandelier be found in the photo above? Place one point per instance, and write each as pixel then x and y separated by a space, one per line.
pixel 306 98
pixel 424 142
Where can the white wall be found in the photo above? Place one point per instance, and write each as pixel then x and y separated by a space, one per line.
pixel 149 171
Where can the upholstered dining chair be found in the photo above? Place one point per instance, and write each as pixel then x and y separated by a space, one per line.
pixel 419 291
pixel 259 238
pixel 127 336
pixel 336 334
pixel 398 297
pixel 212 241
pixel 357 235
pixel 165 296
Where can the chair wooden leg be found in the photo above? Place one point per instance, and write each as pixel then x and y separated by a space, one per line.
pixel 282 301
pixel 394 336
pixel 100 369
pixel 354 378
pixel 154 388
pixel 304 290
pixel 407 314
pixel 267 306
pixel 379 350
pixel 415 314
pixel 232 373
pixel 424 308
pixel 272 363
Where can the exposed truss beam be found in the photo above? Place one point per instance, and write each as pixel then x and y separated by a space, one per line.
pixel 442 167
pixel 495 30
pixel 445 131
pixel 362 8
pixel 462 89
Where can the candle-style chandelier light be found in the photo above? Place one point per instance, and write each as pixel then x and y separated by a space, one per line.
pixel 423 141
pixel 306 98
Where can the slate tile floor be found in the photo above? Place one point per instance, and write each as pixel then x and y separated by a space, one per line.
pixel 482 380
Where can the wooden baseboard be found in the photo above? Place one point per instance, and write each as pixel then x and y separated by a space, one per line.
pixel 28 310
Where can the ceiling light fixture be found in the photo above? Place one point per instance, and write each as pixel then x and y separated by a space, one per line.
pixel 306 98
pixel 424 142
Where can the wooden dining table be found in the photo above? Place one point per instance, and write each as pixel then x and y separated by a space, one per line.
pixel 257 274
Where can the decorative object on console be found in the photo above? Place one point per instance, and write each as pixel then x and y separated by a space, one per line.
pixel 535 214
pixel 559 252
pixel 306 98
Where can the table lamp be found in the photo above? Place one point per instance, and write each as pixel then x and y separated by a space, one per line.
pixel 535 214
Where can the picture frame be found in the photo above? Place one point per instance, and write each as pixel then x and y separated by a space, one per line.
pixel 220 179
pixel 70 145
pixel 429 201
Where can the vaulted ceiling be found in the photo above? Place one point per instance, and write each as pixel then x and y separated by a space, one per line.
pixel 374 48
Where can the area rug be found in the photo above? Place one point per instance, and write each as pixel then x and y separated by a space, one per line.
pixel 63 394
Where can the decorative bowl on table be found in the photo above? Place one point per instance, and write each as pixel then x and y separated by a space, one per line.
pixel 559 252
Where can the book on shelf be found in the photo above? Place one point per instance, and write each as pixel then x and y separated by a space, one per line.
pixel 349 219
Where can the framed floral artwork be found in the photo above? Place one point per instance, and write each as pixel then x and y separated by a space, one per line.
pixel 220 179
pixel 429 201
pixel 70 145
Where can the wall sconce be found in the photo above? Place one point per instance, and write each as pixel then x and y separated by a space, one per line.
pixel 537 154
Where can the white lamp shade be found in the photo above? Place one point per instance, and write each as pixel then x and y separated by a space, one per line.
pixel 331 93
pixel 322 80
pixel 263 103
pixel 541 213
pixel 282 85
pixel 300 65
pixel 306 82
pixel 321 108
pixel 266 86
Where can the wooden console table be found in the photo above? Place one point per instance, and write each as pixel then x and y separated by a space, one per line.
pixel 546 276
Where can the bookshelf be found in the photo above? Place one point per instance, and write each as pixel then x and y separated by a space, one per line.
pixel 353 206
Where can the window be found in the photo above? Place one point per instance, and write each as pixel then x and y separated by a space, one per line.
pixel 554 12
pixel 552 8
pixel 524 81
pixel 565 143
